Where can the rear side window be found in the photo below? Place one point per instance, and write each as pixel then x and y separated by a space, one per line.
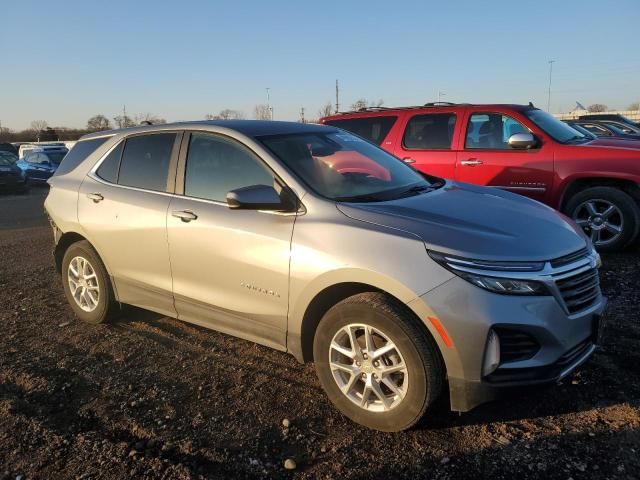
pixel 108 169
pixel 374 129
pixel 145 161
pixel 78 153
pixel 433 131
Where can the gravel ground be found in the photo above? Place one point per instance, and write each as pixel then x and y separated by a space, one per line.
pixel 152 397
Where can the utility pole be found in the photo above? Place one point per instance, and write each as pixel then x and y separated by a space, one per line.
pixel 549 91
pixel 440 95
pixel 269 108
pixel 337 97
pixel 302 115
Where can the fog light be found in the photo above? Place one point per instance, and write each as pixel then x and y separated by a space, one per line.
pixel 491 354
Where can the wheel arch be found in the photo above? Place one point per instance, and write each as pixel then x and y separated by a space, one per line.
pixel 576 185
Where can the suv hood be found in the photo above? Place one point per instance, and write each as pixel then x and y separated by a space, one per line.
pixel 477 222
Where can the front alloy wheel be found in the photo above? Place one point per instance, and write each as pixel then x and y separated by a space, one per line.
pixel 377 363
pixel 609 216
pixel 368 367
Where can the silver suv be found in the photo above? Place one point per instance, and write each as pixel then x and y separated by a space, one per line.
pixel 308 239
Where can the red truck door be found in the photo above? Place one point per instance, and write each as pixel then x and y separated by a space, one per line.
pixel 426 142
pixel 485 157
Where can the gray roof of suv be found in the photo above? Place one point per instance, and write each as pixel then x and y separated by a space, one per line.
pixel 251 128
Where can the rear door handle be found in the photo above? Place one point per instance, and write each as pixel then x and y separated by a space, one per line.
pixel 408 160
pixel 184 215
pixel 96 197
pixel 472 162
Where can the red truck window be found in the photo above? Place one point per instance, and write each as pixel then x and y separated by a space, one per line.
pixel 374 129
pixel 433 131
pixel 491 131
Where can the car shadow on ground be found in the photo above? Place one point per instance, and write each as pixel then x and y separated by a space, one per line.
pixel 572 395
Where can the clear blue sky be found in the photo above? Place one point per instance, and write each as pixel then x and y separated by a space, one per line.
pixel 65 61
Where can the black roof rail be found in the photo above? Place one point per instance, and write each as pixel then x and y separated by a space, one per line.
pixel 437 104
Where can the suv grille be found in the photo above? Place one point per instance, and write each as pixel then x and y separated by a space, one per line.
pixel 581 290
pixel 516 345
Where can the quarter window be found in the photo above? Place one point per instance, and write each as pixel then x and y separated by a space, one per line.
pixel 374 129
pixel 216 166
pixel 145 161
pixel 108 169
pixel 433 131
pixel 491 131
pixel 78 154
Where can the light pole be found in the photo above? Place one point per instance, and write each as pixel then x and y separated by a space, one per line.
pixel 269 109
pixel 549 91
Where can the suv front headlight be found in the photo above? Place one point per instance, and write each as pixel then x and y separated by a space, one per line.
pixel 497 278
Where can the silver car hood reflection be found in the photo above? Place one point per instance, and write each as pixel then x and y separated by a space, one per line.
pixel 476 222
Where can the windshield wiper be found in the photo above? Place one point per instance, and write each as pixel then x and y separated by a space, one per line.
pixel 360 198
pixel 418 189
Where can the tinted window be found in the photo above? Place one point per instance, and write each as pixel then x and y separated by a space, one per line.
pixel 374 129
pixel 145 161
pixel 216 165
pixel 343 167
pixel 78 153
pixel 432 131
pixel 108 169
pixel 559 131
pixel 492 131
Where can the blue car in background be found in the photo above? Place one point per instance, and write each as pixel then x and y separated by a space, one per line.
pixel 41 163
pixel 11 177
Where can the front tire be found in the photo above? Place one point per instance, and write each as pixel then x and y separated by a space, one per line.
pixel 609 216
pixel 86 284
pixel 377 366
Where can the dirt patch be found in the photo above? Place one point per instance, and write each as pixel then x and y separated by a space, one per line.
pixel 152 397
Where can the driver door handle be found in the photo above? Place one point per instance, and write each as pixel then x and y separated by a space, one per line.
pixel 96 197
pixel 472 162
pixel 184 215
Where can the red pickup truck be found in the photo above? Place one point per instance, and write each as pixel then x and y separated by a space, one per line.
pixel 518 148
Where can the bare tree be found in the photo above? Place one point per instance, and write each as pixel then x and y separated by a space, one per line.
pixel 37 126
pixel 325 110
pixel 597 108
pixel 262 112
pixel 634 106
pixel 226 114
pixel 98 122
pixel 363 103
pixel 124 121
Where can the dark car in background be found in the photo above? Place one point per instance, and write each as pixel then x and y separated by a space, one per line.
pixel 11 177
pixel 40 164
pixel 616 117
pixel 608 128
pixel 8 147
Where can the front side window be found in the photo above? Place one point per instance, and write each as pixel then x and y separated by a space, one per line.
pixel 145 161
pixel 343 167
pixel 433 131
pixel 491 131
pixel 374 129
pixel 216 165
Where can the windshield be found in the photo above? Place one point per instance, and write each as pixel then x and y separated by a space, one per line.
pixel 344 167
pixel 4 161
pixel 57 156
pixel 553 127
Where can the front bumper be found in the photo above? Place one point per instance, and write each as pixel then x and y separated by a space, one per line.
pixel 468 313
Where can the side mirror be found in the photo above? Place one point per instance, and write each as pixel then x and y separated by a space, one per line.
pixel 522 141
pixel 255 197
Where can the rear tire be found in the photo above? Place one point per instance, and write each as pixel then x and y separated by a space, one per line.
pixel 609 216
pixel 87 285
pixel 385 391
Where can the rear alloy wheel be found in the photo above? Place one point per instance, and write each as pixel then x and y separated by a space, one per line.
pixel 607 215
pixel 377 364
pixel 87 285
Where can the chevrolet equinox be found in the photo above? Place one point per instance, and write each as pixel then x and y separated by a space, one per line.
pixel 399 286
